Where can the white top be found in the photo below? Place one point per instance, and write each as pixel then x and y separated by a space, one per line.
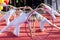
pixel 9 13
pixel 21 18
pixel 39 16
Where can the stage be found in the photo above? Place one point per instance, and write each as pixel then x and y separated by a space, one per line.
pixel 50 33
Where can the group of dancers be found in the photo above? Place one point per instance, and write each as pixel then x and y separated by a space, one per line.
pixel 23 16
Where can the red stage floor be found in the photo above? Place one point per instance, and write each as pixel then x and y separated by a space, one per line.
pixel 51 33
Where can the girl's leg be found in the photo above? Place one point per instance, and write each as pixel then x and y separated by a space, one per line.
pixel 52 24
pixel 53 16
pixel 5 28
pixel 57 14
pixel 7 21
pixel 42 25
pixel 16 30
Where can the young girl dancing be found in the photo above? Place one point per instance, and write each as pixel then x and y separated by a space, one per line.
pixel 50 10
pixel 23 18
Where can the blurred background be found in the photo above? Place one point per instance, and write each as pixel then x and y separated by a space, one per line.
pixel 55 4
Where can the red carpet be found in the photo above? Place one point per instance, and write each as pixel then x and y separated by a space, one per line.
pixel 51 33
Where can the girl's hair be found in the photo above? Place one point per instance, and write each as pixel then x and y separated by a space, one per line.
pixel 42 5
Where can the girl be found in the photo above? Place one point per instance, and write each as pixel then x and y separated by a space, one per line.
pixel 48 9
pixel 16 22
pixel 23 18
pixel 42 20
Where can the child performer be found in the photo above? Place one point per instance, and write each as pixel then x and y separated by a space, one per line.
pixel 22 18
pixel 42 20
pixel 50 10
pixel 16 22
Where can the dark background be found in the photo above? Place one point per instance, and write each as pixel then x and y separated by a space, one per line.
pixel 31 3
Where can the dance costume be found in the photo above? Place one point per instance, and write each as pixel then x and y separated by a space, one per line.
pixel 43 20
pixel 16 22
pixel 23 18
pixel 51 11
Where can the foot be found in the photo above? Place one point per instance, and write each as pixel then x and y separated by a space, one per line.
pixel 57 27
pixel 16 35
pixel 43 30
